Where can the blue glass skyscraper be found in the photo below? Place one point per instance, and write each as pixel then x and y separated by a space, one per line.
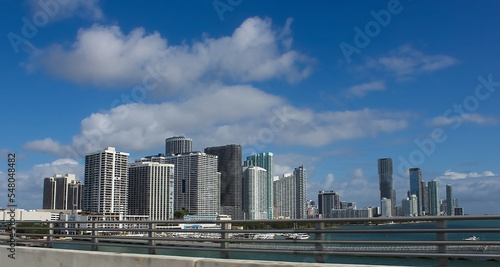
pixel 416 187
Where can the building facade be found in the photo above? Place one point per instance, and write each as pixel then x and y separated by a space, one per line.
pixel 385 207
pixel 229 160
pixel 62 192
pixel 327 201
pixel 196 183
pixel 425 197
pixel 264 160
pixel 290 195
pixel 352 213
pixel 433 189
pixel 254 196
pixel 450 203
pixel 416 187
pixel 151 190
pixel 177 145
pixel 106 182
pixel 385 171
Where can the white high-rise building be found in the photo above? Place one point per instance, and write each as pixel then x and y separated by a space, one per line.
pixel 254 193
pixel 151 190
pixel 264 160
pixel 410 206
pixel 386 207
pixel 105 188
pixel 196 183
pixel 177 145
pixel 290 195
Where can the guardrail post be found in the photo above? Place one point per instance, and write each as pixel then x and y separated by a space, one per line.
pixel 442 261
pixel 318 255
pixel 223 245
pixel 95 246
pixel 151 235
pixel 49 237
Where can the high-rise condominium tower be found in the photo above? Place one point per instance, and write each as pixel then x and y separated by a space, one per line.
pixel 264 160
pixel 328 200
pixel 229 165
pixel 62 192
pixel 433 189
pixel 450 203
pixel 290 195
pixel 425 198
pixel 255 193
pixel 386 207
pixel 105 188
pixel 177 145
pixel 385 181
pixel 416 187
pixel 197 183
pixel 151 190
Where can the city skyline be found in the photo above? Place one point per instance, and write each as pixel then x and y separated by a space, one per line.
pixel 333 86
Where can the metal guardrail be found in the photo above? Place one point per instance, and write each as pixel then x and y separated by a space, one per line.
pixel 326 238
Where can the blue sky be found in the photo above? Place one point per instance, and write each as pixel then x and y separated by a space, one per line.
pixel 333 85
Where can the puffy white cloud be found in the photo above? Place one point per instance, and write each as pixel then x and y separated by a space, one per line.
pixel 405 62
pixel 49 146
pixel 360 90
pixel 105 56
pixel 472 118
pixel 235 114
pixel 63 9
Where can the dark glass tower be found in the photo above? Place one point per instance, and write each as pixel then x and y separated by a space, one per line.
pixel 385 181
pixel 416 187
pixel 229 166
pixel 328 200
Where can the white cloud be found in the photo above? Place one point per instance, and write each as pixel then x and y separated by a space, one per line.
pixel 107 57
pixel 451 175
pixel 457 120
pixel 405 62
pixel 330 178
pixel 221 115
pixel 63 9
pixel 361 90
pixel 47 145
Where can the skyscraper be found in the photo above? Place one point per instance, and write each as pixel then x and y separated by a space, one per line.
pixel 450 205
pixel 290 194
pixel 229 162
pixel 386 207
pixel 425 198
pixel 264 160
pixel 416 187
pixel 300 174
pixel 177 145
pixel 385 181
pixel 197 183
pixel 433 189
pixel 151 190
pixel 49 193
pixel 327 201
pixel 62 192
pixel 105 188
pixel 254 194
